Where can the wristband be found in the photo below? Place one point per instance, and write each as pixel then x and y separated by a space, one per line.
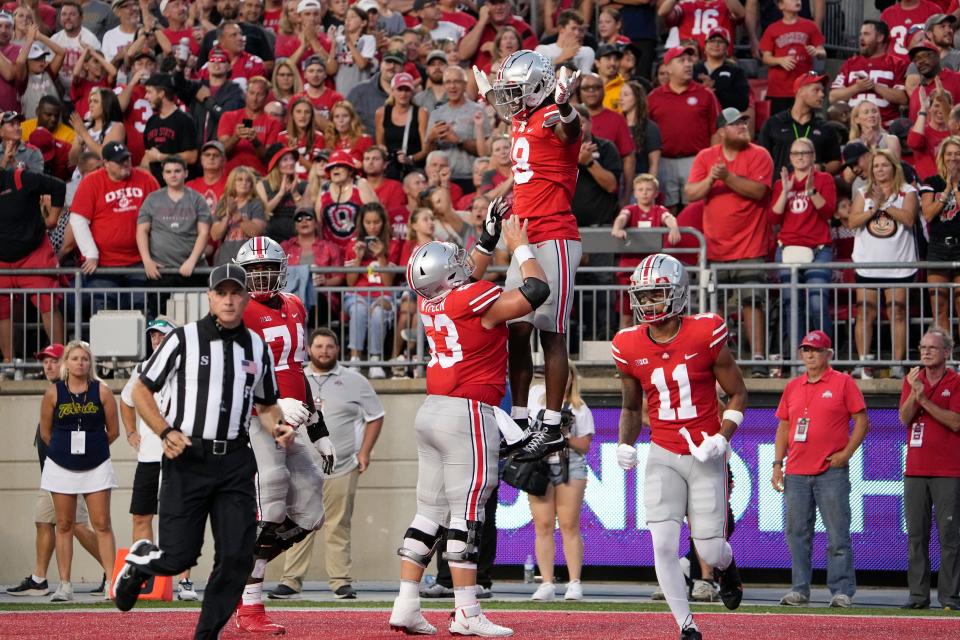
pixel 778 463
pixel 573 115
pixel 522 254
pixel 734 416
pixel 165 433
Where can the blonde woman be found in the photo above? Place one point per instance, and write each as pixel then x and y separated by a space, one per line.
pixel 420 231
pixel 564 498
pixel 285 82
pixel 345 131
pixel 883 215
pixel 507 41
pixel 78 422
pixel 929 130
pixel 866 127
pixel 281 191
pixel 239 215
pixel 940 206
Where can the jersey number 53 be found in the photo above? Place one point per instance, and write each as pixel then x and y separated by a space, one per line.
pixel 450 352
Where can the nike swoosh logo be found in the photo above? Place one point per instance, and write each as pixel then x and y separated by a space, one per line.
pixel 687 356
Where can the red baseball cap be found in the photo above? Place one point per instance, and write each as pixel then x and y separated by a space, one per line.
pixel 43 140
pixel 719 31
pixel 218 55
pixel 817 339
pixel 922 45
pixel 340 158
pixel 676 52
pixel 811 77
pixel 55 350
pixel 402 79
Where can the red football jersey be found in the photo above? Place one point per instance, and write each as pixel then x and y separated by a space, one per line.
pixel 467 360
pixel 886 70
pixel 789 40
pixel 900 20
pixel 640 219
pixel 283 329
pixel 696 18
pixel 677 377
pixel 544 176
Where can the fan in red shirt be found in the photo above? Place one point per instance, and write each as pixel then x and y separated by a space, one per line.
pixel 477 45
pixel 900 17
pixel 307 39
pixel 465 326
pixel 177 14
pixel 926 56
pixel 302 135
pixel 546 135
pixel 247 133
pixel 872 75
pixel 211 184
pixel 345 131
pixel 695 19
pixel 677 362
pixel 316 91
pixel 789 47
pixel 389 191
pixel 243 66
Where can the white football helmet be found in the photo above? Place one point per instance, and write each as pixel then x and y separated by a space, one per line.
pixel 524 81
pixel 266 266
pixel 437 268
pixel 658 273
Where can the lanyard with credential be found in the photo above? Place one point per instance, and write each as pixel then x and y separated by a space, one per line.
pixel 796 134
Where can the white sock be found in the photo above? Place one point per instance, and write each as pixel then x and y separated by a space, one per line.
pixel 716 552
pixel 519 413
pixel 465 596
pixel 666 547
pixel 37 578
pixel 409 589
pixel 259 569
pixel 551 417
pixel 253 593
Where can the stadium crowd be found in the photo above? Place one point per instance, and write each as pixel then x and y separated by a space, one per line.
pixel 352 133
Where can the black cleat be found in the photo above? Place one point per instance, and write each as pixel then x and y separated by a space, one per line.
pixel 541 444
pixel 100 587
pixel 690 633
pixel 731 587
pixel 129 581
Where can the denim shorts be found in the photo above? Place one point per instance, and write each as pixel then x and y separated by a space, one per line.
pixel 577 465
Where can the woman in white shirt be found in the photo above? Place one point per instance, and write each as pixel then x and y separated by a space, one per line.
pixel 883 215
pixel 564 498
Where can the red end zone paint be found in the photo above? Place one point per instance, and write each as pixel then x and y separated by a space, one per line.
pixel 553 625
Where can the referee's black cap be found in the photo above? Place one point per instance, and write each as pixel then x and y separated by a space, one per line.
pixel 228 273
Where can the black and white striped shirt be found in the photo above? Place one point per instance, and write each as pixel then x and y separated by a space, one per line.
pixel 212 382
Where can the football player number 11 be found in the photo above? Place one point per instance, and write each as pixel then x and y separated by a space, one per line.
pixel 687 409
pixel 441 326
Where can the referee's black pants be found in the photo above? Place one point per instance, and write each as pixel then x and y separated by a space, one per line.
pixel 195 485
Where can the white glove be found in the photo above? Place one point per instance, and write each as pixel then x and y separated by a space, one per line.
pixel 483 85
pixel 626 456
pixel 566 82
pixel 295 413
pixel 325 448
pixel 711 448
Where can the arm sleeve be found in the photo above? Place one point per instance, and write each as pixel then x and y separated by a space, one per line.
pixel 619 359
pixel 853 396
pixel 584 425
pixel 700 169
pixel 126 395
pixel 783 409
pixel 370 404
pixel 828 190
pixel 954 397
pixel 83 236
pixel 266 391
pixel 718 334
pixel 155 373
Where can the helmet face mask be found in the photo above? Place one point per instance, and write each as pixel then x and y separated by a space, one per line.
pixel 437 268
pixel 266 266
pixel 525 80
pixel 659 289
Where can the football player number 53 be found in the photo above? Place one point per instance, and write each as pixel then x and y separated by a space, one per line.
pixel 521 161
pixel 450 352
pixel 686 410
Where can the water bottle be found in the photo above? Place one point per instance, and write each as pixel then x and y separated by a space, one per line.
pixel 429 580
pixel 183 49
pixel 18 369
pixel 528 570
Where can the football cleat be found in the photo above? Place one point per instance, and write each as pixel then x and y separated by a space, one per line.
pixel 470 621
pixel 541 444
pixel 407 618
pixel 253 618
pixel 731 587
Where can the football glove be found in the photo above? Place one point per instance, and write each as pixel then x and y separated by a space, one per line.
pixel 626 456
pixel 711 448
pixel 483 84
pixel 496 212
pixel 295 413
pixel 325 448
pixel 566 82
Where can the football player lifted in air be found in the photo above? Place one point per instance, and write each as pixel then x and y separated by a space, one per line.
pixel 546 137
pixel 457 428
pixel 678 360
pixel 290 479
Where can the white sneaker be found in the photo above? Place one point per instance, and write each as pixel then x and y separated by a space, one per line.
pixel 64 593
pixel 705 591
pixel 351 366
pixel 376 373
pixel 546 592
pixel 400 370
pixel 406 617
pixel 470 621
pixel 574 591
pixel 896 371
pixel 185 591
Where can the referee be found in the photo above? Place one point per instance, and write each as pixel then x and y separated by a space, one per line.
pixel 213 371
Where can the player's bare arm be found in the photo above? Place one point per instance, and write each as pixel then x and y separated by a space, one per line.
pixel 631 412
pixel 730 380
pixel 534 291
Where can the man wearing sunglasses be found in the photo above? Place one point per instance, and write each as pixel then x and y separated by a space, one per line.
pixel 814 447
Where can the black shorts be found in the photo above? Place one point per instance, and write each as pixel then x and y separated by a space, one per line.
pixel 146 489
pixel 890 282
pixel 938 252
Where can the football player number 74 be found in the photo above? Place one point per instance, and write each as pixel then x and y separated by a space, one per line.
pixel 686 410
pixel 450 352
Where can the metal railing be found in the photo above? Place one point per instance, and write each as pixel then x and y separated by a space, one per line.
pixel 841 27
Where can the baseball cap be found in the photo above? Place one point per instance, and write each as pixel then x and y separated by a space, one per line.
pixel 676 52
pixel 6 17
pixel 214 144
pixel 162 80
pixel 306 5
pixel 395 56
pixel 610 49
pixel 436 54
pixel 115 152
pixel 314 60
pixel 939 18
pixel 54 350
pixel 163 5
pixel 368 5
pixel 402 79
pixel 145 53
pixel 730 115
pixel 37 51
pixel 922 45
pixel 229 272
pixel 43 140
pixel 808 78
pixel 719 32
pixel 217 55
pixel 853 151
pixel 10 116
pixel 162 324
pixel 116 4
pixel 816 339
pixel 420 4
pixel 340 158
